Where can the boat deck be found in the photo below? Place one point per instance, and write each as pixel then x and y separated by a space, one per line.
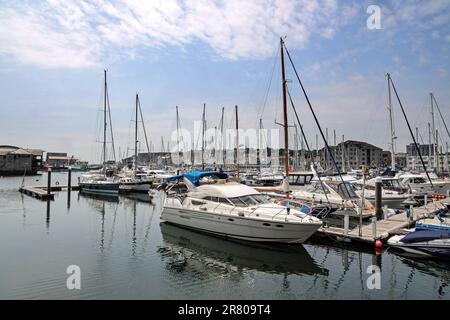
pixel 41 192
pixel 386 227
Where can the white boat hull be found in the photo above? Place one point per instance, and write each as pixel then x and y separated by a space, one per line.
pixel 235 227
pixel 437 188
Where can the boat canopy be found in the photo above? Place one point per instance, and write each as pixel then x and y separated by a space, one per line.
pixel 195 176
pixel 425 235
pixel 227 190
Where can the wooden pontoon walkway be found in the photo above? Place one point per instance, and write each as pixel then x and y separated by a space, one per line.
pixel 385 227
pixel 41 192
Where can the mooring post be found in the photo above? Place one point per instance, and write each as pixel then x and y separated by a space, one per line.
pixel 69 180
pixel 69 186
pixel 374 227
pixel 411 213
pixel 49 180
pixel 346 224
pixel 378 199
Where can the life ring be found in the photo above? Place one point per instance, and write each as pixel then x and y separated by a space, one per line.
pixel 57 183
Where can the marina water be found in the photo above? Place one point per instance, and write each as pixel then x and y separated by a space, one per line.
pixel 124 251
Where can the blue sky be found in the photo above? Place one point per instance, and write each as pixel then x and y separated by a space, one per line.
pixel 186 53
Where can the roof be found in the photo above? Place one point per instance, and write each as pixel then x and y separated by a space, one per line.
pixel 35 152
pixel 19 151
pixel 228 190
pixel 60 158
pixel 4 150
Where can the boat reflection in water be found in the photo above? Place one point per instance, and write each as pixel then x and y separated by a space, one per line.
pixel 98 196
pixel 140 197
pixel 184 247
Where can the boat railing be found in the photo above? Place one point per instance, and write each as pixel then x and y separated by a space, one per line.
pixel 281 210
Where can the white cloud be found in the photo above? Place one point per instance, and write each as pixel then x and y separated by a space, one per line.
pixel 88 33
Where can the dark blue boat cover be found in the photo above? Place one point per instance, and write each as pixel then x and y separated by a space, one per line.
pixel 196 176
pixel 425 235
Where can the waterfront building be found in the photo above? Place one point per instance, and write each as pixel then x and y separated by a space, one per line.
pixel 18 161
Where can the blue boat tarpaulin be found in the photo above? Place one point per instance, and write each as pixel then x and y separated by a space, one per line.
pixel 425 235
pixel 195 176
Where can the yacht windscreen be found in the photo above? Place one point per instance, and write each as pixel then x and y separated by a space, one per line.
pixel 300 180
pixel 248 200
pixel 345 190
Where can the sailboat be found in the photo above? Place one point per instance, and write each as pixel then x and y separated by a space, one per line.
pixel 103 182
pixel 237 211
pixel 132 181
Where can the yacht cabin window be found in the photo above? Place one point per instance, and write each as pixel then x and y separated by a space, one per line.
pixel 299 180
pixel 318 188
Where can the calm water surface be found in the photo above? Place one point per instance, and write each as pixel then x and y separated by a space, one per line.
pixel 126 252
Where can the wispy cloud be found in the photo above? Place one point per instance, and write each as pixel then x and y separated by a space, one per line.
pixel 89 33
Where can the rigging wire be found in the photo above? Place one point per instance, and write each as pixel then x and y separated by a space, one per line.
pixel 409 127
pixel 317 122
pixel 306 143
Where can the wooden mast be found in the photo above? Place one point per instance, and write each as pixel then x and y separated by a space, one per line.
pixel 285 118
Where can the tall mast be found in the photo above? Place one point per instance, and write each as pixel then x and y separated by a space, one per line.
pixel 203 137
pixel 391 122
pixel 302 156
pixel 446 157
pixel 178 135
pixel 326 151
pixel 436 155
pixel 285 117
pixel 104 123
pixel 430 149
pixel 433 130
pixel 237 142
pixel 222 137
pixel 296 147
pixel 342 154
pixel 143 125
pixel 317 148
pixel 334 142
pixel 136 136
pixel 259 142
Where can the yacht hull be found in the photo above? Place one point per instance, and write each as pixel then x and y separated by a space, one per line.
pixel 99 188
pixel 390 202
pixel 439 248
pixel 134 188
pixel 231 226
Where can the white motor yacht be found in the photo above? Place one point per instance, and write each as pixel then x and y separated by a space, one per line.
pixel 238 211
pixel 419 184
pixel 339 194
pixel 393 194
